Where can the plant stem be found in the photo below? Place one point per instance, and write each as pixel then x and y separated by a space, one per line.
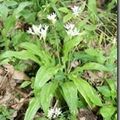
pixel 55 104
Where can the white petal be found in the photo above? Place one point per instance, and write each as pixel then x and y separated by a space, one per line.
pixel 35 29
pixel 40 26
pixel 43 31
pixel 50 113
pixel 69 26
pixel 52 17
pixel 75 10
pixel 30 31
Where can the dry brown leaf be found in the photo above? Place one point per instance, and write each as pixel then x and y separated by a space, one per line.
pixel 8 83
pixel 17 75
pixel 20 76
pixel 95 78
pixel 6 98
pixel 74 64
pixel 9 68
pixel 85 114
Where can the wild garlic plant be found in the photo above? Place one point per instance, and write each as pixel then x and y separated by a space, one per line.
pixel 56 47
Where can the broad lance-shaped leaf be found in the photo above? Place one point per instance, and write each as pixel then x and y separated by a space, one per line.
pixel 83 93
pixel 92 9
pixel 70 95
pixel 111 84
pixel 86 90
pixel 36 50
pixel 64 9
pixel 21 7
pixel 104 90
pixel 46 95
pixel 94 66
pixel 70 44
pixel 23 55
pixel 32 48
pixel 107 111
pixel 96 54
pixel 32 109
pixel 91 66
pixel 44 74
pixel 92 6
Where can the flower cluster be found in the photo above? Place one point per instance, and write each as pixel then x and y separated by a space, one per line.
pixel 52 17
pixel 76 10
pixel 54 113
pixel 71 29
pixel 39 30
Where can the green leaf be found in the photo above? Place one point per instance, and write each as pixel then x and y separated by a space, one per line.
pixel 107 111
pixel 22 55
pixel 67 17
pixel 87 91
pixel 90 27
pixel 91 66
pixel 92 6
pixel 10 3
pixel 32 109
pixel 25 84
pixel 112 56
pixel 113 88
pixel 21 7
pixel 83 93
pixel 93 52
pixel 70 44
pixel 28 16
pixel 94 66
pixel 111 84
pixel 53 1
pixel 70 94
pixel 41 118
pixel 104 90
pixel 44 74
pixel 46 95
pixel 9 24
pixel 112 4
pixel 64 10
pixel 82 56
pixel 3 11
pixel 92 9
pixel 34 49
pixel 97 54
pixel 2 117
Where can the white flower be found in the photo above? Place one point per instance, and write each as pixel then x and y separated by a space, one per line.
pixel 76 10
pixel 53 113
pixel 57 111
pixel 74 64
pixel 30 31
pixel 50 113
pixel 69 26
pixel 43 32
pixel 39 30
pixel 36 29
pixel 71 29
pixel 74 32
pixel 52 17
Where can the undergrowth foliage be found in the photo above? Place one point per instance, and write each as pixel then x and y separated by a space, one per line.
pixel 66 40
